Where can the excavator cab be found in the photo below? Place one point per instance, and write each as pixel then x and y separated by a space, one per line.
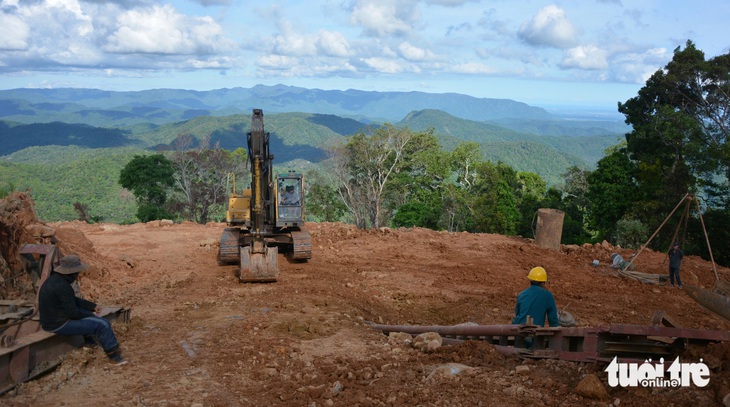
pixel 290 194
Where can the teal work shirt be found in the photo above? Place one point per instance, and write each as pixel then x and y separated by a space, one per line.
pixel 537 302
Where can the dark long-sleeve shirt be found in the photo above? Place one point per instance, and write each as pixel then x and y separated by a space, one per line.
pixel 537 302
pixel 675 257
pixel 58 304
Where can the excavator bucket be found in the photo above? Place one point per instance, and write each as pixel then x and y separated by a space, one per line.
pixel 259 264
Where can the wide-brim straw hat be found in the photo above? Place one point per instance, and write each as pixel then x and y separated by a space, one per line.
pixel 71 264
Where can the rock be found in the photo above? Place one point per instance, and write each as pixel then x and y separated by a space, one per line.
pixel 449 370
pixel 336 388
pixel 400 338
pixel 566 319
pixel 130 262
pixel 592 388
pixel 312 391
pixel 40 231
pixel 166 222
pixel 428 342
pixel 522 370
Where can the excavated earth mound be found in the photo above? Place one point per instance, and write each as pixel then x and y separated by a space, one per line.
pixel 198 337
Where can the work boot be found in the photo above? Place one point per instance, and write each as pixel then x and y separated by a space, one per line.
pixel 117 360
pixel 115 357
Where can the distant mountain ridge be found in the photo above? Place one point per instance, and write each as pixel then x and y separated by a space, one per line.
pixel 159 106
pixel 305 136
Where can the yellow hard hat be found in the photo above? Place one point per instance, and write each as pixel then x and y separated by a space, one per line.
pixel 537 274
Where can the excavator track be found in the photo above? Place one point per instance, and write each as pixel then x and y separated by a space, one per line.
pixel 228 252
pixel 302 245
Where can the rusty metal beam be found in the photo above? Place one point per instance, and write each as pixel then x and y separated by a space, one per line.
pixel 32 349
pixel 590 344
pixel 26 350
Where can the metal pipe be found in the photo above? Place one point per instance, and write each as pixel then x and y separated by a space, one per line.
pixel 459 330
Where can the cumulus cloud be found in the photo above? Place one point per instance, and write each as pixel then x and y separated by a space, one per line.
pixel 324 43
pixel 15 33
pixel 276 61
pixel 472 68
pixel 637 67
pixel 412 53
pixel 585 57
pixel 214 2
pixel 119 34
pixel 162 30
pixel 333 43
pixel 449 3
pixel 389 66
pixel 550 27
pixel 383 18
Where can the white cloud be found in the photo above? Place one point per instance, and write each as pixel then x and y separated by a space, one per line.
pixel 15 32
pixel 389 66
pixel 449 3
pixel 637 67
pixel 333 43
pixel 276 61
pixel 214 2
pixel 162 30
pixel 289 42
pixel 324 43
pixel 382 18
pixel 472 68
pixel 551 27
pixel 412 53
pixel 585 57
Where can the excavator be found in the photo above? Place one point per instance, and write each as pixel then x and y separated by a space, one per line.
pixel 265 219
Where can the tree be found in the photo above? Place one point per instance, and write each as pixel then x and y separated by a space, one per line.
pixel 323 202
pixel 495 204
pixel 149 178
pixel 457 196
pixel 367 165
pixel 83 211
pixel 681 122
pixel 611 191
pixel 201 176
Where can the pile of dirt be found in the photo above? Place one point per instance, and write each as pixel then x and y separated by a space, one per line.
pixel 199 337
pixel 18 225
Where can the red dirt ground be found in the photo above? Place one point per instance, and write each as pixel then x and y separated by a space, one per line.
pixel 198 337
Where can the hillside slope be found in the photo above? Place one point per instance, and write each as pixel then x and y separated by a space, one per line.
pixel 198 337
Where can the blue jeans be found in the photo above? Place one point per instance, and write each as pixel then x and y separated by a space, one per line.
pixel 99 327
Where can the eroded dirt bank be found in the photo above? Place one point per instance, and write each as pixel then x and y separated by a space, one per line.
pixel 198 337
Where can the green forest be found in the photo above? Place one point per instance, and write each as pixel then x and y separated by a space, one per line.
pixel 429 170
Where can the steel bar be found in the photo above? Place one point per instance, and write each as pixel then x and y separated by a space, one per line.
pixel 589 344
pixel 32 348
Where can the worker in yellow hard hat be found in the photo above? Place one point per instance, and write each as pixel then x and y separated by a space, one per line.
pixel 536 301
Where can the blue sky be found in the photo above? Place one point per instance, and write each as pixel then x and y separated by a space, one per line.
pixel 590 53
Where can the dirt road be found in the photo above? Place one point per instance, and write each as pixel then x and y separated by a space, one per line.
pixel 200 338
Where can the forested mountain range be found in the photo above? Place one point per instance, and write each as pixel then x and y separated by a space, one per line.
pixel 51 140
pixel 306 136
pixel 107 108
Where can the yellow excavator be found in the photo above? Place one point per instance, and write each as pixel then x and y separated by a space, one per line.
pixel 267 218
